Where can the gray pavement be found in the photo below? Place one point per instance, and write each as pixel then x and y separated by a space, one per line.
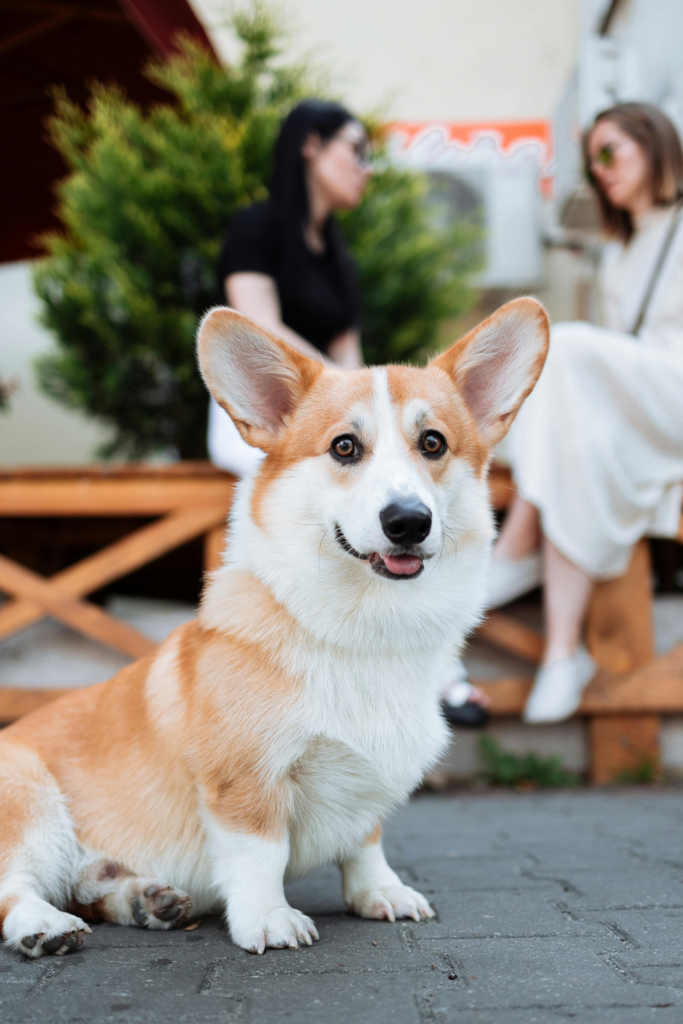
pixel 550 907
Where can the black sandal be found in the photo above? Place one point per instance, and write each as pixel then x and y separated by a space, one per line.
pixel 461 711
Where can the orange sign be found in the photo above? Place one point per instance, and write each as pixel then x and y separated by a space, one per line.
pixel 528 140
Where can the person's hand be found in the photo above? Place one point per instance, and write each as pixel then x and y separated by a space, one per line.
pixel 344 350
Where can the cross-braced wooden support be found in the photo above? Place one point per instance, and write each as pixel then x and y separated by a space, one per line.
pixel 191 499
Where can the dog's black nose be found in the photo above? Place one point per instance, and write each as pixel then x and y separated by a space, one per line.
pixel 406 522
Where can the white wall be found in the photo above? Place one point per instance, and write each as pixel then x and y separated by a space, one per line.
pixel 36 429
pixel 655 29
pixel 420 59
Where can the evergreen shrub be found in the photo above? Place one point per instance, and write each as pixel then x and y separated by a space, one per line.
pixel 144 208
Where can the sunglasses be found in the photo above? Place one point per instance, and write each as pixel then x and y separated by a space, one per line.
pixel 605 156
pixel 360 147
pixel 361 151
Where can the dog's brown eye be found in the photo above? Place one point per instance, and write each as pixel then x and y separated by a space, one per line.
pixel 433 444
pixel 345 448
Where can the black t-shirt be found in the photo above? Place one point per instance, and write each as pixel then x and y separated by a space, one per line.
pixel 319 293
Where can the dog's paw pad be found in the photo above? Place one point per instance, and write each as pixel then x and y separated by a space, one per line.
pixel 391 902
pixel 160 906
pixel 41 943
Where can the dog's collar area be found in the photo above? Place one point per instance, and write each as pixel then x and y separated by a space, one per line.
pixel 375 560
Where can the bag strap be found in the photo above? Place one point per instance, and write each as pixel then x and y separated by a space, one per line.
pixel 654 277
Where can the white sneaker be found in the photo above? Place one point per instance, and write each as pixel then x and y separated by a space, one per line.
pixel 558 688
pixel 459 690
pixel 508 579
pixel 460 673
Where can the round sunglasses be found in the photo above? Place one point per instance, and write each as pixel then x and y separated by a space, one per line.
pixel 606 155
pixel 360 147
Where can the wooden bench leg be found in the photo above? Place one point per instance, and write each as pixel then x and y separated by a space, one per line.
pixel 619 630
pixel 620 637
pixel 622 746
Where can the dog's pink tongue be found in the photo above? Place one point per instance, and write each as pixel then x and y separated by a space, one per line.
pixel 402 565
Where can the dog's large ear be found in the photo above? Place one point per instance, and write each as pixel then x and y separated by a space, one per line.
pixel 496 365
pixel 257 378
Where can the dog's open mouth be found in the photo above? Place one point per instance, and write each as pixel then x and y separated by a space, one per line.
pixel 392 567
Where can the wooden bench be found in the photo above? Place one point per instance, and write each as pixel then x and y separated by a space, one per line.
pixel 190 499
pixel 623 705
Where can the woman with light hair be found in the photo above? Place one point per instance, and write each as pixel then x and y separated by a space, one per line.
pixel 597 450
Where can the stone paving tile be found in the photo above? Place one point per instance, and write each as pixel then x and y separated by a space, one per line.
pixel 537 972
pixel 549 907
pixel 472 873
pixel 482 914
pixel 438 1012
pixel 577 853
pixel 639 927
pixel 618 886
pixel 380 1000
pixel 650 967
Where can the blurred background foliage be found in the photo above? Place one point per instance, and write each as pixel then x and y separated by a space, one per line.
pixel 144 209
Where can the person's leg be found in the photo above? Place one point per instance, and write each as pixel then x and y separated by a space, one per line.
pixel 520 534
pixel 516 565
pixel 567 591
pixel 520 537
pixel 567 667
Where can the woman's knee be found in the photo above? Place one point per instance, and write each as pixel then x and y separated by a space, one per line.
pixel 569 332
pixel 574 344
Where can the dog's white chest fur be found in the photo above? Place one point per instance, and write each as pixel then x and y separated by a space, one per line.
pixel 373 729
pixel 370 657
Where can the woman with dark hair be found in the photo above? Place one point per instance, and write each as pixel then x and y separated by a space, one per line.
pixel 284 263
pixel 597 450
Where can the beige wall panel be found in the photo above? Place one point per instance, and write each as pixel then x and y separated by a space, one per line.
pixel 420 59
pixel 36 429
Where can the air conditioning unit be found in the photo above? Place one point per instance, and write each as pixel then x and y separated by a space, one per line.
pixel 491 173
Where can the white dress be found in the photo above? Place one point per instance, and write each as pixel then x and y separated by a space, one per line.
pixel 598 446
pixel 225 444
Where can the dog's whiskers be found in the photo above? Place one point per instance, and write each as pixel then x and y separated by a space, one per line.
pixel 319 550
pixel 299 522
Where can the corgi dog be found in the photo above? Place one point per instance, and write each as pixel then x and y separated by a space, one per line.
pixel 276 731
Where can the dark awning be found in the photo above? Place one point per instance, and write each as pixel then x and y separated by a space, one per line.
pixel 44 43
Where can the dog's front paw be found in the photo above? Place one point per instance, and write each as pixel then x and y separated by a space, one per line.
pixel 390 902
pixel 40 929
pixel 278 928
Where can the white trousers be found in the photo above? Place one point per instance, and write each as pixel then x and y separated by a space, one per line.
pixel 598 446
pixel 225 444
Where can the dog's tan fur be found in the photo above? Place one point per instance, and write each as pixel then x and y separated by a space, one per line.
pixel 195 732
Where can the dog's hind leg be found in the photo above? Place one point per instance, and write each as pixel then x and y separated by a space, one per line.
pixel 48 882
pixel 106 891
pixel 38 855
